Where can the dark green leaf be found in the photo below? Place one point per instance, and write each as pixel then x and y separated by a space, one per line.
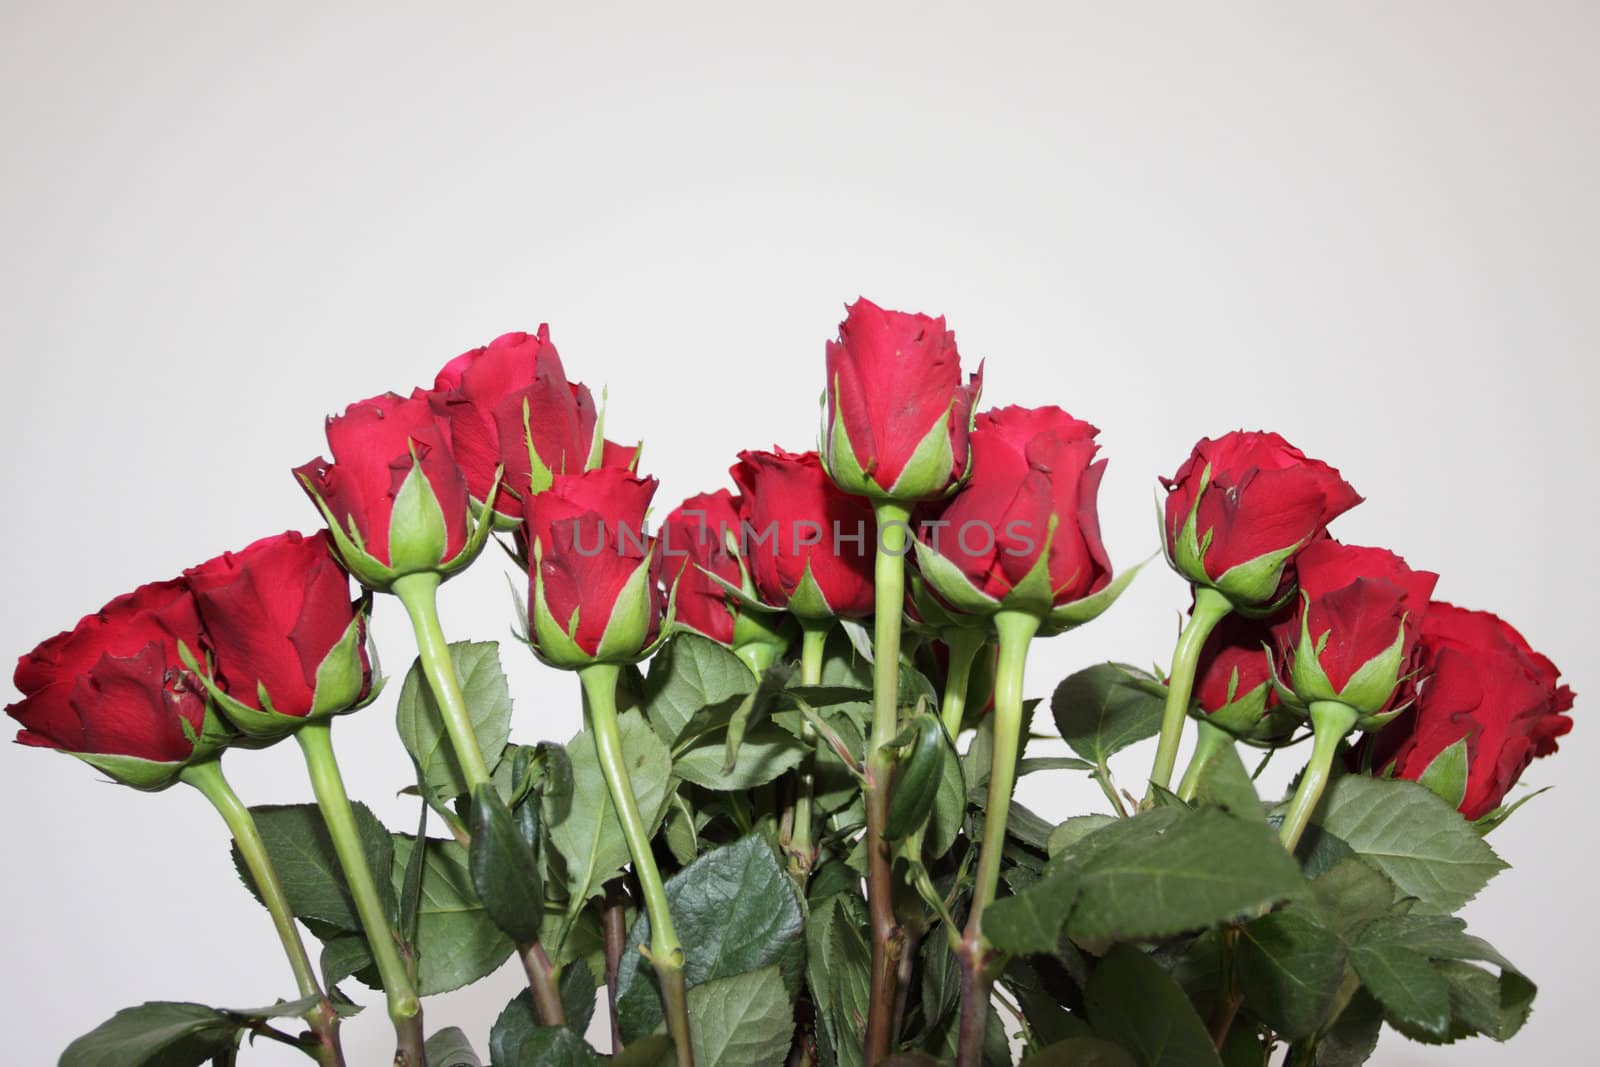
pixel 691 676
pixel 1350 1041
pixel 505 869
pixel 918 771
pixel 348 955
pixel 654 1051
pixel 1483 1003
pixel 156 1034
pixel 1425 847
pixel 1289 969
pixel 1080 1052
pixel 456 942
pixel 1052 763
pixel 753 711
pixel 838 973
pixel 1405 983
pixel 1105 708
pixel 1131 1001
pixel 1206 867
pixel 1225 783
pixel 421 726
pixel 542 1046
pixel 741 1020
pixel 735 910
pixel 1074 829
pixel 301 850
pixel 577 988
pixel 1030 922
pixel 450 1048
pixel 1349 895
pixel 765 753
pixel 588 834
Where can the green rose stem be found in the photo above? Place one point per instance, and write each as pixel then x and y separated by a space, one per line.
pixel 1210 608
pixel 813 643
pixel 1330 722
pixel 207 777
pixel 1016 629
pixel 964 646
pixel 889 577
pixel 418 592
pixel 665 953
pixel 1209 740
pixel 316 740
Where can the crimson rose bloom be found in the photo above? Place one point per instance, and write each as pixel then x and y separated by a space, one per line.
pixel 275 614
pixel 1233 682
pixel 594 577
pixel 1031 498
pixel 114 685
pixel 377 445
pixel 809 546
pixel 1480 682
pixel 1254 499
pixel 897 414
pixel 509 404
pixel 1361 608
pixel 694 537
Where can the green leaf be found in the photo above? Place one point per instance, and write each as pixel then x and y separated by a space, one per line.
pixel 753 710
pixel 421 726
pixel 949 804
pixel 1349 895
pixel 577 988
pixel 1075 829
pixel 1080 1052
pixel 1446 775
pixel 1420 842
pixel 1405 983
pixel 156 1034
pixel 1030 922
pixel 1482 1003
pixel 301 850
pixel 518 1039
pixel 347 955
pixel 838 973
pixel 1105 708
pixel 1351 1040
pixel 741 1019
pixel 691 676
pixel 735 910
pixel 1131 1001
pixel 505 868
pixel 1204 867
pixel 1289 969
pixel 766 752
pixel 456 943
pixel 654 1051
pixel 586 831
pixel 450 1048
pixel 1226 784
pixel 917 776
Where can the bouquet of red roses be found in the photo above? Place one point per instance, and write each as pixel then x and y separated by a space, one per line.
pixel 786 833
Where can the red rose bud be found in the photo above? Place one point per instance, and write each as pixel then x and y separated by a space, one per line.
pixel 114 692
pixel 896 414
pixel 1486 707
pixel 808 545
pixel 285 642
pixel 1233 682
pixel 1354 636
pixel 699 545
pixel 594 582
pixel 1024 533
pixel 393 497
pixel 509 406
pixel 1239 509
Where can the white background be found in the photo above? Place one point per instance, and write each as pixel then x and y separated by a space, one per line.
pixel 1371 227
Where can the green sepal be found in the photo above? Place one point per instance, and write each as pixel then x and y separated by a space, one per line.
pixel 623 640
pixel 597 440
pixel 629 626
pixel 1254 583
pixel 350 546
pixel 839 454
pixel 1033 593
pixel 343 682
pixel 1086 609
pixel 150 776
pixel 499 521
pixel 552 642
pixel 928 474
pixel 540 476
pixel 744 597
pixel 417 531
pixel 1446 774
pixel 1368 690
pixel 953 587
pixel 807 600
pixel 477 534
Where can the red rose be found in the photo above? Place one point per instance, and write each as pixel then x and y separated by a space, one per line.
pixel 1254 501
pixel 382 530
pixel 594 577
pixel 278 616
pixel 696 536
pixel 115 686
pixel 510 404
pixel 1024 531
pixel 1481 683
pixel 1354 636
pixel 897 414
pixel 1233 682
pixel 809 545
